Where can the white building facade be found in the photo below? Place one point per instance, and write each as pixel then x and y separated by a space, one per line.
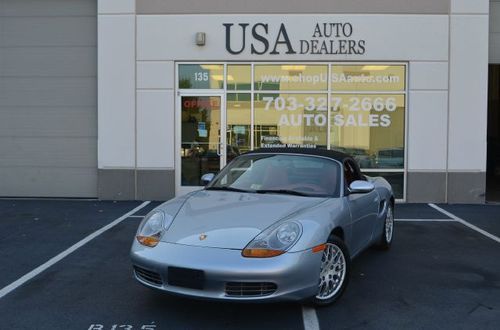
pixel 184 86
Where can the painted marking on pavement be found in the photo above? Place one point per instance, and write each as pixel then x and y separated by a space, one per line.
pixel 425 220
pixel 137 216
pixel 465 223
pixel 310 318
pixel 14 285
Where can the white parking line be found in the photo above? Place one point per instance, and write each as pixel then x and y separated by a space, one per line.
pixel 14 285
pixel 310 318
pixel 465 223
pixel 425 220
pixel 136 216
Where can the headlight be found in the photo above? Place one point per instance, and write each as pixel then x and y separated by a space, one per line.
pixel 273 241
pixel 152 227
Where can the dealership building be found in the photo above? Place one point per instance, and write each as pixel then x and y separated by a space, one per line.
pixel 136 99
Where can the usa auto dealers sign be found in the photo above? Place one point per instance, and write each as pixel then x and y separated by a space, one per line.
pixel 326 38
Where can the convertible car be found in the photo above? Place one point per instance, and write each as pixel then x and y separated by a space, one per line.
pixel 272 225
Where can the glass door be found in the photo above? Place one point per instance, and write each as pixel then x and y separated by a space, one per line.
pixel 202 138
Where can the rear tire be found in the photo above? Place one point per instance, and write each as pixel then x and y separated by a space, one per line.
pixel 387 235
pixel 334 273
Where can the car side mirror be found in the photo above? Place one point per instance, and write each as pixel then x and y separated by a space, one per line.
pixel 361 187
pixel 206 178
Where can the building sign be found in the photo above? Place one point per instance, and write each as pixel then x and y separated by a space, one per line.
pixel 325 38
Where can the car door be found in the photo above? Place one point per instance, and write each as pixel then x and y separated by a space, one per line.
pixel 363 208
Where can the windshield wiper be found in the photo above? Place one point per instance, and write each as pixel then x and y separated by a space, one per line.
pixel 226 189
pixel 281 191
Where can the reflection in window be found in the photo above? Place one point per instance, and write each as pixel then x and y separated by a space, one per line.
pixel 238 123
pixel 200 140
pixel 266 134
pixel 291 77
pixel 201 76
pixel 368 77
pixel 239 77
pixel 298 119
pixel 370 127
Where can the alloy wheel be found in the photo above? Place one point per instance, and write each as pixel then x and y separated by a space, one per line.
pixel 332 273
pixel 389 225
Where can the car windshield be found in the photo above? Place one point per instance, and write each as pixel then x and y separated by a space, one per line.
pixel 280 174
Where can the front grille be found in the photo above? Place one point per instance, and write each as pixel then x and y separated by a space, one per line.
pixel 148 276
pixel 249 289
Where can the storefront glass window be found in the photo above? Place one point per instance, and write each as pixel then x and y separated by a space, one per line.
pixel 239 77
pixel 291 77
pixel 238 123
pixel 355 108
pixel 369 77
pixel 370 127
pixel 201 76
pixel 298 119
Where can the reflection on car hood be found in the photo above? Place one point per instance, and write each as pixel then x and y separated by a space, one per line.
pixel 231 219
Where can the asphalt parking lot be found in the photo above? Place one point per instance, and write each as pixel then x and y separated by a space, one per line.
pixel 442 272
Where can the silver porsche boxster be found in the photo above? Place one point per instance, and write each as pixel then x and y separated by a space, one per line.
pixel 274 224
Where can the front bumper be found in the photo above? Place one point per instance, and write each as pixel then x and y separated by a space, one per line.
pixel 295 274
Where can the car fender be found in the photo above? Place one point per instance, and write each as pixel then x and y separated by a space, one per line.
pixel 384 190
pixel 319 221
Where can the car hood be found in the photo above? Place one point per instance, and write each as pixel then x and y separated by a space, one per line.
pixel 231 220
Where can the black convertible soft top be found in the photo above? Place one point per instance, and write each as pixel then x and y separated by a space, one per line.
pixel 336 155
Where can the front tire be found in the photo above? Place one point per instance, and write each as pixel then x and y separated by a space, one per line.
pixel 334 272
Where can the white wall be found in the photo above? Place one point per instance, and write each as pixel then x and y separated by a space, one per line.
pixel 468 88
pixel 427 116
pixel 136 99
pixel 155 129
pixel 388 37
pixel 116 84
pixel 469 6
pixel 116 6
pixel 155 114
